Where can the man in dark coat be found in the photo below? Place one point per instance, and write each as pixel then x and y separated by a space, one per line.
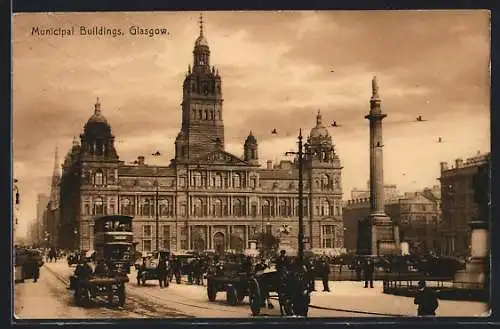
pixel 325 271
pixel 426 299
pixel 176 269
pixel 368 269
pixel 162 272
pixel 282 261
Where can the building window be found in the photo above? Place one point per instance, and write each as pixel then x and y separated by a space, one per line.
pixel 196 179
pixel 99 206
pixel 325 182
pixel 147 231
pixel 182 210
pixel 146 245
pixel 328 236
pixel 253 182
pixel 269 229
pixel 236 181
pixel 165 208
pixel 266 208
pixel 127 207
pixel 98 178
pixel 147 207
pixel 112 208
pixel 86 208
pixel 182 181
pixel 166 237
pixel 253 209
pixel 238 208
pixel 284 208
pixel 217 208
pixel 325 209
pixel 217 180
pixel 198 208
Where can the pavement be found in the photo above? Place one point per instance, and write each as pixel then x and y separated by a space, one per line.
pixel 345 299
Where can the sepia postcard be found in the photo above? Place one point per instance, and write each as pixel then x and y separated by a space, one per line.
pixel 240 164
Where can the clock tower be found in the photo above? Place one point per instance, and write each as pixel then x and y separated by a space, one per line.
pixel 202 128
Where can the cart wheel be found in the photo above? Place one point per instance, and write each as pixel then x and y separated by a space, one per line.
pixel 232 295
pixel 255 297
pixel 211 291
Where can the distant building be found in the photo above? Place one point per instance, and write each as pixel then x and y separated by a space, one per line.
pixel 391 193
pixel 416 213
pixel 51 222
pixel 206 198
pixel 458 204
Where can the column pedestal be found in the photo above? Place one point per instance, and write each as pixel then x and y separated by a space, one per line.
pixel 377 236
pixel 476 270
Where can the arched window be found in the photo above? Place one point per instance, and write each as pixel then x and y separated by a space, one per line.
pixel 318 183
pixel 283 208
pixel 266 208
pixel 325 209
pixel 165 208
pixel 206 115
pixel 217 180
pixel 127 207
pixel 238 208
pixel 236 181
pixel 211 114
pixel 196 179
pixel 198 208
pixel 200 114
pixel 217 208
pixel 325 181
pixel 99 206
pixel 147 207
pixel 98 177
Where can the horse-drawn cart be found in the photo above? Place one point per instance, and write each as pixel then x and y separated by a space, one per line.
pixel 230 278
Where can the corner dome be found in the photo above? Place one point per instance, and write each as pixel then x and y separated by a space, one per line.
pixel 97 125
pixel 201 41
pixel 250 139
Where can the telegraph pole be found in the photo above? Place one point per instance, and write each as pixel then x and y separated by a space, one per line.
pixel 157 216
pixel 300 155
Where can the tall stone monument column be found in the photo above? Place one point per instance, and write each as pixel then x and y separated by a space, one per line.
pixel 377 234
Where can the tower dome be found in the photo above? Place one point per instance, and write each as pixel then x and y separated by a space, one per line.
pixel 251 140
pixel 319 130
pixel 97 125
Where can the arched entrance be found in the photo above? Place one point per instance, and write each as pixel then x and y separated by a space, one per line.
pixel 219 242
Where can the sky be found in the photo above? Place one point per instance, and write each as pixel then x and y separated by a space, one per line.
pixel 276 70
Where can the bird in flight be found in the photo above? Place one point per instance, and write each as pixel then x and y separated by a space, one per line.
pixel 420 119
pixel 334 124
pixel 156 154
pixel 440 140
pixel 332 71
pixel 274 131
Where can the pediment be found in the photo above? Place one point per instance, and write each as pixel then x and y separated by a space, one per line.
pixel 224 158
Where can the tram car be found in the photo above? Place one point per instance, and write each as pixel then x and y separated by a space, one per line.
pixel 113 240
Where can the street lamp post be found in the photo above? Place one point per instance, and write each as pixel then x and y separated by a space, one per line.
pixel 300 155
pixel 157 215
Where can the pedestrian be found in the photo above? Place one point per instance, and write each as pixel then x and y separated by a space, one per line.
pixel 368 270
pixel 426 299
pixel 311 274
pixel 162 272
pixel 325 271
pixel 140 271
pixel 282 261
pixel 177 269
